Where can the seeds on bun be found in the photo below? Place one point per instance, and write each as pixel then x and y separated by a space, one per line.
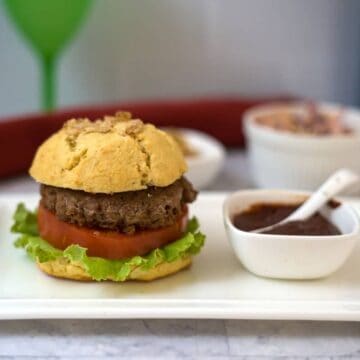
pixel 114 203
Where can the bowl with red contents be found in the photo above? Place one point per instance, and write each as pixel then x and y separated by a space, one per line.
pixel 309 249
pixel 296 146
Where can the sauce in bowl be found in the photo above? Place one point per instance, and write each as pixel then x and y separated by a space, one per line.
pixel 262 215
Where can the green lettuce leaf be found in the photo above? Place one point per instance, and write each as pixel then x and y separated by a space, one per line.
pixel 24 221
pixel 38 249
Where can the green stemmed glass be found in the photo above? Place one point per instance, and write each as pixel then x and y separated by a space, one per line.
pixel 48 25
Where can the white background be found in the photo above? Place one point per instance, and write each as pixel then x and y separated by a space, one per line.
pixel 151 49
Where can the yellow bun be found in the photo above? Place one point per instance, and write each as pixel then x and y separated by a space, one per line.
pixel 63 269
pixel 115 154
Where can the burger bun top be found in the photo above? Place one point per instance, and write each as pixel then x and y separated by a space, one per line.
pixel 114 154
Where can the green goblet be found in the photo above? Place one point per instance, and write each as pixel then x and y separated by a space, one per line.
pixel 48 25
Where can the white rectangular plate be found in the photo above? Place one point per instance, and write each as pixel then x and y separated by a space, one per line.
pixel 216 286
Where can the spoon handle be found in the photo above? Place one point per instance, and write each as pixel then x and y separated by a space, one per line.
pixel 332 186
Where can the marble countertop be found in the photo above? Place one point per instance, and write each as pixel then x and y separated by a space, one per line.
pixel 177 339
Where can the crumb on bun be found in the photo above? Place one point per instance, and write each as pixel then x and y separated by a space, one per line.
pixel 115 154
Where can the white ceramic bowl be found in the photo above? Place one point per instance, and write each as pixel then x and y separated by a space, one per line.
pixel 281 159
pixel 290 257
pixel 206 164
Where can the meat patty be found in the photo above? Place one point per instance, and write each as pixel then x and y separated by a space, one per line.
pixel 152 208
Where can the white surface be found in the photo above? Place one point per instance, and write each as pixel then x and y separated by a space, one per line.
pixel 216 286
pixel 281 159
pixel 130 50
pixel 290 257
pixel 204 166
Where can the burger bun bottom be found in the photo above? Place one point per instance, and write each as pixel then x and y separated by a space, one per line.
pixel 61 268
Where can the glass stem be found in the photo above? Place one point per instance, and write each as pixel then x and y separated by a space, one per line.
pixel 48 83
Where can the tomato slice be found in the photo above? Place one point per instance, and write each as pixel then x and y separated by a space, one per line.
pixel 104 243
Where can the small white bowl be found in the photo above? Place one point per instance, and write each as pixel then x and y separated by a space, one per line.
pixel 206 164
pixel 281 159
pixel 290 257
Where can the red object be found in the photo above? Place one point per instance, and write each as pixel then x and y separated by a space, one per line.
pixel 107 244
pixel 20 136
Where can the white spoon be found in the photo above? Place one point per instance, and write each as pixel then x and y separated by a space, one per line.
pixel 337 182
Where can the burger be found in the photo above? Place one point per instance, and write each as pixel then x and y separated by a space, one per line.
pixel 114 203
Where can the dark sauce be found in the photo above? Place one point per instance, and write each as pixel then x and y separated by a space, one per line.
pixel 262 215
